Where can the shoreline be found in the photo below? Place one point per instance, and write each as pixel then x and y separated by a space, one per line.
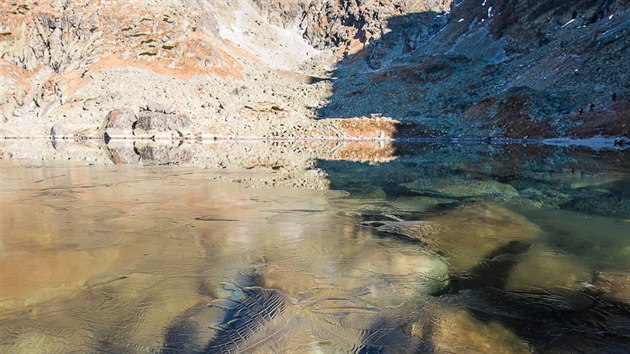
pixel 594 142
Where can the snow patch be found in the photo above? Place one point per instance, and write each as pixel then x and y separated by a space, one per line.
pixel 568 23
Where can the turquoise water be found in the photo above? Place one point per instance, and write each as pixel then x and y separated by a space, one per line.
pixel 289 247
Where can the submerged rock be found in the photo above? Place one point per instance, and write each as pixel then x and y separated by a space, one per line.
pixel 474 230
pixel 462 188
pixel 412 230
pixel 458 331
pixel 612 286
pixel 552 320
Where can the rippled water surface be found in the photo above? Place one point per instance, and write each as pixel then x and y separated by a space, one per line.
pixel 436 249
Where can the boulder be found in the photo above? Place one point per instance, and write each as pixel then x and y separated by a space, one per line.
pixel 123 118
pixel 160 118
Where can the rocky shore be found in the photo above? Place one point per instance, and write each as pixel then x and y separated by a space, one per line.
pixel 342 69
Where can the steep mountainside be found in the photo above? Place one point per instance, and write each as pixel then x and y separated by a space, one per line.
pixel 208 68
pixel 497 68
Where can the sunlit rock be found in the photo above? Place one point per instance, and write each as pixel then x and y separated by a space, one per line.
pixel 457 331
pixel 474 230
pixel 612 286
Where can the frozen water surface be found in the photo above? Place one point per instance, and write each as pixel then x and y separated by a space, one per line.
pixel 435 249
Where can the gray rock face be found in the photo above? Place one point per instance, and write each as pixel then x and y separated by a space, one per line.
pixel 337 23
pixel 57 131
pixel 412 32
pixel 156 117
pixel 283 13
pixel 123 118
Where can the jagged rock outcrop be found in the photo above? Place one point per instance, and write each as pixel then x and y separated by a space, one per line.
pixel 348 24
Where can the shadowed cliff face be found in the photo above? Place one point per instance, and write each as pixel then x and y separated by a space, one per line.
pixel 495 68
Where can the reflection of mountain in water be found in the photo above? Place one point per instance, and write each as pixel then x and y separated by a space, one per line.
pixel 183 258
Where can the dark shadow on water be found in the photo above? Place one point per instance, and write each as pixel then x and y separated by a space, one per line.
pixel 578 180
pixel 492 271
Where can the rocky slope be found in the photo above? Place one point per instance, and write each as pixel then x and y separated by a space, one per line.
pixel 496 68
pixel 208 68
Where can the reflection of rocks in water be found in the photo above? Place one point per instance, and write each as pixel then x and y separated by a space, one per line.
pixel 150 153
pixel 123 153
pixel 289 164
pixel 163 154
pixel 59 145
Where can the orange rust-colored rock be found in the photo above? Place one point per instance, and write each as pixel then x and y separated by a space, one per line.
pixel 368 127
pixel 606 122
pixel 366 151
pixel 514 118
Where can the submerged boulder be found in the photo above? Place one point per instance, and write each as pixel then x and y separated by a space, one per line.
pixel 612 286
pixel 462 188
pixel 412 230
